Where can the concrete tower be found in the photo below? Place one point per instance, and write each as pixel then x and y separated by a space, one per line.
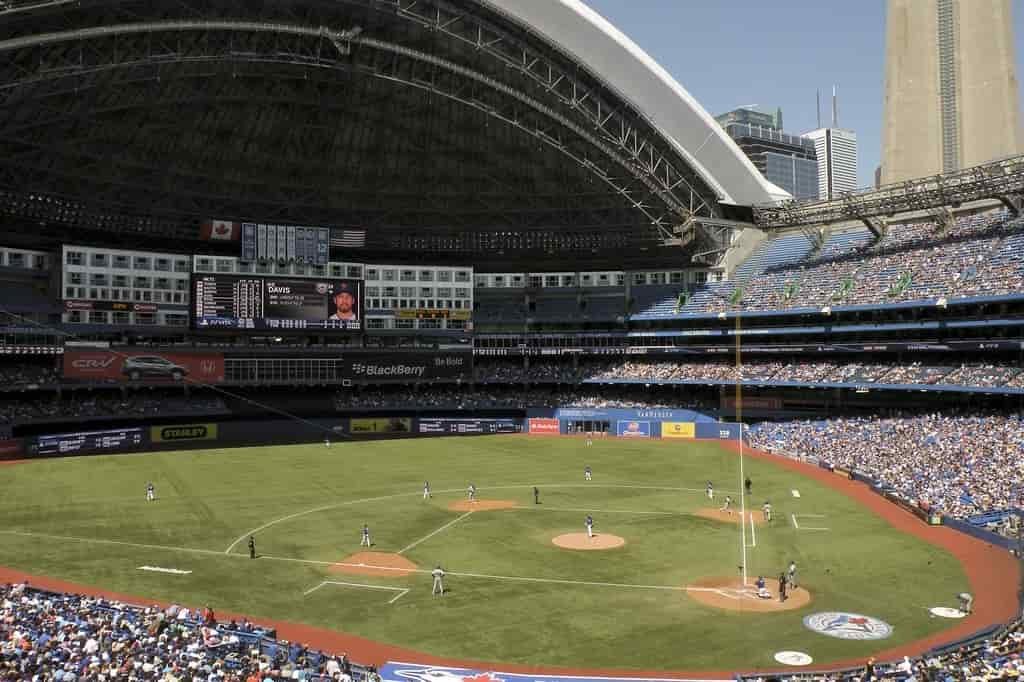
pixel 950 87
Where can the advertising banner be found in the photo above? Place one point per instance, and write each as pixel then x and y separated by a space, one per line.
pixel 617 414
pixel 380 425
pixel 182 432
pixel 544 425
pixel 459 425
pixel 110 306
pixel 718 431
pixel 150 367
pixel 382 367
pixel 633 429
pixel 10 448
pixel 109 440
pixel 678 430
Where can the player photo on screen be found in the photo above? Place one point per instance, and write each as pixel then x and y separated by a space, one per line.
pixel 344 305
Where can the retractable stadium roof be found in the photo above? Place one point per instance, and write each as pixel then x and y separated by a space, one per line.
pixel 427 122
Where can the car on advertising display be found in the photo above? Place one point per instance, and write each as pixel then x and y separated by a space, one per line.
pixel 140 366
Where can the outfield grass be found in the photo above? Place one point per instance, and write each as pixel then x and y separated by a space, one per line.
pixel 209 499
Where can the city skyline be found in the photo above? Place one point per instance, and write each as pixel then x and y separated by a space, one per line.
pixel 799 47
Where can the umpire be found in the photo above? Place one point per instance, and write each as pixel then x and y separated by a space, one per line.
pixel 252 547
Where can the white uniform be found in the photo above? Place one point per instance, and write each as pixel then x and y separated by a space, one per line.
pixel 426 490
pixel 710 491
pixel 472 492
pixel 327 442
pixel 589 440
pixel 767 509
pixel 438 588
pixel 150 493
pixel 727 505
pixel 586 474
pixel 365 542
pixel 791 574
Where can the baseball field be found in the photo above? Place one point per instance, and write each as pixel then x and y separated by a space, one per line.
pixel 662 599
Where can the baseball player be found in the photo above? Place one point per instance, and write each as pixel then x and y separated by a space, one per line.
pixel 709 490
pixel 327 442
pixel 762 591
pixel 966 601
pixel 590 439
pixel 438 574
pixel 767 509
pixel 252 547
pixel 727 507
pixel 365 542
pixel 426 490
pixel 589 521
pixel 536 495
pixel 150 492
pixel 791 574
pixel 587 473
pixel 782 587
pixel 747 484
pixel 472 492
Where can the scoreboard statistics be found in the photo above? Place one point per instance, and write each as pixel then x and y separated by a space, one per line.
pixel 277 304
pixel 87 441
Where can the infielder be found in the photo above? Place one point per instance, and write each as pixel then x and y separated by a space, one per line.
pixel 426 490
pixel 791 574
pixel 472 492
pixel 589 521
pixel 587 473
pixel 767 509
pixel 365 542
pixel 727 507
pixel 709 490
pixel 150 492
pixel 438 574
pixel 966 601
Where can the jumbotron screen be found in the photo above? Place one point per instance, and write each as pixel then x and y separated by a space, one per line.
pixel 277 304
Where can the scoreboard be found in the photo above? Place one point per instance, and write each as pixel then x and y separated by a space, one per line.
pixel 278 304
pixel 109 440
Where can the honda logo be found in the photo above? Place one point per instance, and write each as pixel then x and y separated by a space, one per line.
pixel 92 363
pixel 207 367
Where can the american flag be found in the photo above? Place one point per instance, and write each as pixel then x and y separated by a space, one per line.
pixel 348 239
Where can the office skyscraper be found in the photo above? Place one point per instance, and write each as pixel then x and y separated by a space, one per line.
pixel 950 87
pixel 837 160
pixel 788 161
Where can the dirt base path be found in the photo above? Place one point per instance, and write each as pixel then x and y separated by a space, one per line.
pixel 716 514
pixel 583 542
pixel 732 595
pixel 380 564
pixel 481 505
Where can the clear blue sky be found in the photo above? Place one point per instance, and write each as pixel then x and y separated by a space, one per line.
pixel 776 53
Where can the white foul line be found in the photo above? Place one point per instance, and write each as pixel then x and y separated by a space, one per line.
pixel 289 517
pixel 427 537
pixel 402 591
pixel 753 535
pixel 795 524
pixel 816 516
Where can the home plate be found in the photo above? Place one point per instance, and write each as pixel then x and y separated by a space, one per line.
pixel 159 569
pixel 946 612
pixel 793 658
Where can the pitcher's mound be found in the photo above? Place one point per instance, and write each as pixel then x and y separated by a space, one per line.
pixel 482 505
pixel 381 564
pixel 581 541
pixel 716 514
pixel 731 594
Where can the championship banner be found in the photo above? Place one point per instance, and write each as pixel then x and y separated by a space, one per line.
pixel 633 429
pixel 380 425
pixel 113 366
pixel 180 432
pixel 678 430
pixel 544 425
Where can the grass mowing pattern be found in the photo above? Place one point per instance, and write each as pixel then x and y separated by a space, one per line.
pixel 208 499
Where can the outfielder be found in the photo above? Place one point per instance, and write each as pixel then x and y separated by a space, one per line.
pixel 438 574
pixel 727 507
pixel 472 492
pixel 587 474
pixel 709 490
pixel 365 542
pixel 426 490
pixel 327 442
pixel 150 492
pixel 590 439
pixel 767 509
pixel 589 521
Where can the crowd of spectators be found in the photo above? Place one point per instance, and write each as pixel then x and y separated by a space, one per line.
pixel 959 464
pixel 67 638
pixel 977 256
pixel 90 405
pixel 927 373
pixel 16 376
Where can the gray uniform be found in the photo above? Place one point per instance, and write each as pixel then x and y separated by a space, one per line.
pixel 438 574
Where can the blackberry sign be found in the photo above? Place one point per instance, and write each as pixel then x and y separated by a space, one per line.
pixel 403 367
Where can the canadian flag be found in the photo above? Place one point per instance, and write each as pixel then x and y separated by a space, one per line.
pixel 221 230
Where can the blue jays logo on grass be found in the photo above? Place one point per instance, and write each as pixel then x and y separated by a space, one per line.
pixel 847 625
pixel 413 672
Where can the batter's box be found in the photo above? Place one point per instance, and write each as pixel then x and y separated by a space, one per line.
pixel 814 518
